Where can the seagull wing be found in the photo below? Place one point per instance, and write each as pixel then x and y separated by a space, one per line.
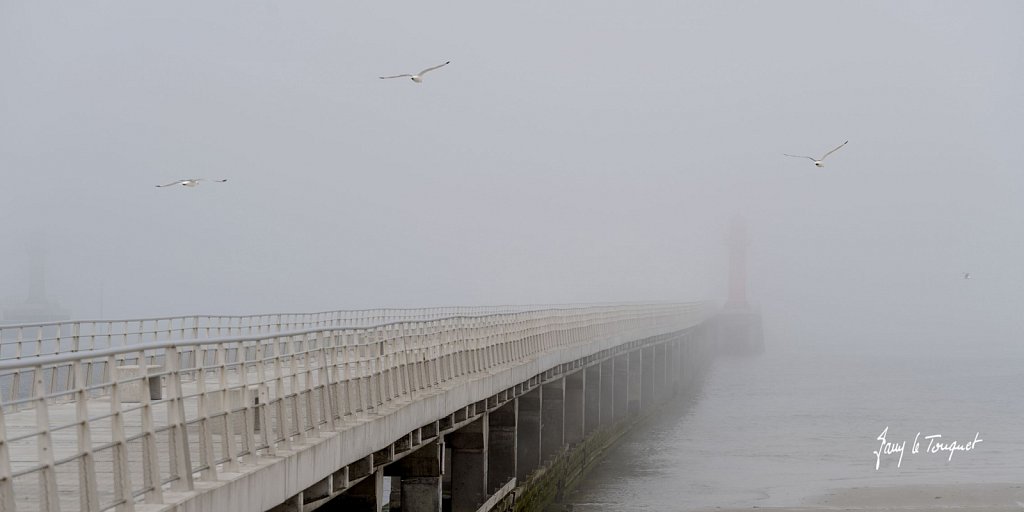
pixel 395 76
pixel 421 73
pixel 801 156
pixel 179 182
pixel 834 150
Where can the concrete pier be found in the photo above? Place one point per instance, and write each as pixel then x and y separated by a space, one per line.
pixel 416 479
pixel 592 398
pixel 620 367
pixel 574 407
pixel 501 445
pixel 469 465
pixel 552 419
pixel 528 435
pixel 458 413
pixel 607 392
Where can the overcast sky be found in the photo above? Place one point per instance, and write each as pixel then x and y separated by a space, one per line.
pixel 571 152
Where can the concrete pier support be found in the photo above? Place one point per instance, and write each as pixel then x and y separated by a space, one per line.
pixel 633 392
pixel 469 465
pixel 607 392
pixel 365 496
pixel 574 407
pixel 647 377
pixel 528 433
pixel 501 446
pixel 552 432
pixel 660 362
pixel 621 369
pixel 673 366
pixel 416 480
pixel 592 398
pixel 685 349
pixel 677 365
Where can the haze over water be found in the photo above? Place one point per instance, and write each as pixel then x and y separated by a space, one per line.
pixel 790 425
pixel 578 151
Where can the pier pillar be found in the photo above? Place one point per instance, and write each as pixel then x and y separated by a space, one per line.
pixel 528 433
pixel 607 392
pixel 365 496
pixel 417 479
pixel 552 432
pixel 633 391
pixel 647 377
pixel 574 407
pixel 591 398
pixel 621 369
pixel 501 446
pixel 660 362
pixel 469 465
pixel 674 372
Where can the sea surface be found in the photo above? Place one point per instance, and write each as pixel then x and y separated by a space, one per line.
pixel 777 429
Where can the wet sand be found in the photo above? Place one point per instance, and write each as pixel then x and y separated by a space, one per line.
pixel 979 497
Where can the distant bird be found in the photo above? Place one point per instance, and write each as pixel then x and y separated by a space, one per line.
pixel 191 183
pixel 418 77
pixel 967 275
pixel 818 162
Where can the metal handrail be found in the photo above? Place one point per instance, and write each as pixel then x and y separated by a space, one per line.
pixel 174 411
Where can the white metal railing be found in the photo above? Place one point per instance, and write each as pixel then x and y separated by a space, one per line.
pixel 105 427
pixel 26 340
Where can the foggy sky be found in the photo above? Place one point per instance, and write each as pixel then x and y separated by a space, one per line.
pixel 572 152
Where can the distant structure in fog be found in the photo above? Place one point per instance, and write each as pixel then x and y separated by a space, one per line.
pixel 737 264
pixel 36 308
pixel 739 324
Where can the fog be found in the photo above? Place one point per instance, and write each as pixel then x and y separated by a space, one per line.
pixel 571 152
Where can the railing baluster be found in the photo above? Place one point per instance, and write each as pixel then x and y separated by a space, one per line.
pixel 206 453
pixel 7 503
pixel 179 451
pixel 87 487
pixel 48 498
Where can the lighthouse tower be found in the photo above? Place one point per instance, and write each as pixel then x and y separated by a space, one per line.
pixel 739 323
pixel 737 265
pixel 37 308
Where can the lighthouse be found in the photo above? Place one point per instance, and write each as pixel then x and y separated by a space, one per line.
pixel 739 323
pixel 737 264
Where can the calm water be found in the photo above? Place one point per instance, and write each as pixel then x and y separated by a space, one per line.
pixel 773 430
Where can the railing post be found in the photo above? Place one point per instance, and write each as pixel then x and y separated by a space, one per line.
pixel 180 455
pixel 281 420
pixel 87 488
pixel 6 478
pixel 261 410
pixel 309 357
pixel 328 390
pixel 150 456
pixel 228 440
pixel 48 499
pixel 206 453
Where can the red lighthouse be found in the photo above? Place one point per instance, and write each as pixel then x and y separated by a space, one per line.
pixel 738 323
pixel 737 264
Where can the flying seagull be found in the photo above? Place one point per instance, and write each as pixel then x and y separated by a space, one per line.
pixel 191 183
pixel 967 275
pixel 818 162
pixel 418 77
